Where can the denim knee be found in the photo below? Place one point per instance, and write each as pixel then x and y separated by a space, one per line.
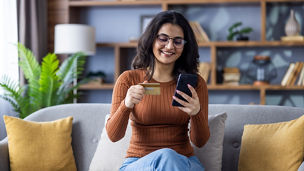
pixel 168 159
pixel 167 151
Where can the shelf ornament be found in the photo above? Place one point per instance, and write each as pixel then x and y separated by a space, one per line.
pixel 292 27
pixel 261 70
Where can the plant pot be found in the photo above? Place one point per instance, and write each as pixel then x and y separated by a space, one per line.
pixel 242 38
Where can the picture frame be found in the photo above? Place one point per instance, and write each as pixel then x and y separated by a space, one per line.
pixel 144 21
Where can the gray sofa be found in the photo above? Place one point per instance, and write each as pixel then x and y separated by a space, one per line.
pixel 89 119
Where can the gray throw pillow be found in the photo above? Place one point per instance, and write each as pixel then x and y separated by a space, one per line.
pixel 110 156
pixel 211 153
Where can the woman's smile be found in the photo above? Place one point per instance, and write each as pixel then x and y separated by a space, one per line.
pixel 167 53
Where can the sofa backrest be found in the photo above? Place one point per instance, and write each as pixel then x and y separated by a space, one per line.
pixel 238 116
pixel 89 122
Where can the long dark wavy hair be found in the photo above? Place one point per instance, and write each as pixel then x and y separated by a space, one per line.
pixel 186 63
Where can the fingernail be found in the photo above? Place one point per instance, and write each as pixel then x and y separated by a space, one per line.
pixel 173 97
pixel 177 91
pixel 188 85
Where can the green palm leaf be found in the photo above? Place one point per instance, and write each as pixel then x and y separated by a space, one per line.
pixel 12 92
pixel 49 81
pixel 31 69
pixel 28 63
pixel 68 72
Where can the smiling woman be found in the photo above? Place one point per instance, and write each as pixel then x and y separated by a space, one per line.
pixel 8 51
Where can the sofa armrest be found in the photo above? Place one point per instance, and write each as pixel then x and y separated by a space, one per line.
pixel 4 157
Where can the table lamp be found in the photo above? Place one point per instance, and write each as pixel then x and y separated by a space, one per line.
pixel 73 38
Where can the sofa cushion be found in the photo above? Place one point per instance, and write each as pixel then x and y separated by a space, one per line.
pixel 211 154
pixel 110 156
pixel 275 146
pixel 36 146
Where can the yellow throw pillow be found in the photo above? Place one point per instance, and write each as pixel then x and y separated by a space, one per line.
pixel 40 146
pixel 277 146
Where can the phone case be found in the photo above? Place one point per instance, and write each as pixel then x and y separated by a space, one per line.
pixel 183 80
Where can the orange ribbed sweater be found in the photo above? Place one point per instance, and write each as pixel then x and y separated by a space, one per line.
pixel 155 122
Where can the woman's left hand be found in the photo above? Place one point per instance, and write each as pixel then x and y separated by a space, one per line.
pixel 192 107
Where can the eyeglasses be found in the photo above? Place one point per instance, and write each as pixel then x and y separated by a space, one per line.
pixel 178 42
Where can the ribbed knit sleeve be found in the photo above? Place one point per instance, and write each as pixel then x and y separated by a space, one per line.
pixel 199 131
pixel 117 123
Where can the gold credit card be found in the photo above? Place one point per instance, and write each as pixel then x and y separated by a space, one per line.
pixel 151 88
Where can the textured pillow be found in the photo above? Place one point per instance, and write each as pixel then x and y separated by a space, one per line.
pixel 110 156
pixel 37 146
pixel 276 146
pixel 211 153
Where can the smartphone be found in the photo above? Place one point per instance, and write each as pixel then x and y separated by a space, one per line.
pixel 182 81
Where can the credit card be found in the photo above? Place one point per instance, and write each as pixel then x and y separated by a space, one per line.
pixel 151 88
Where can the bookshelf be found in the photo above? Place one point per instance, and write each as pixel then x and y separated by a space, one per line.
pixel 65 11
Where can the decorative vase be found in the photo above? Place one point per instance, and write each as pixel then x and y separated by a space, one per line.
pixel 292 27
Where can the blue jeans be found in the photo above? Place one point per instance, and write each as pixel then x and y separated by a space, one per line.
pixel 164 159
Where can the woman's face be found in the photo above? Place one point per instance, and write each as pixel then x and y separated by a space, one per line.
pixel 168 46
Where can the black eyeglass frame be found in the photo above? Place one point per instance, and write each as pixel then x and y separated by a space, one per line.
pixel 173 38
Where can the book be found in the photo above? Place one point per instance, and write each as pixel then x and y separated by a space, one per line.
pixel 300 70
pixel 292 38
pixel 287 74
pixel 204 70
pixel 290 76
pixel 232 77
pixel 231 70
pixel 198 37
pixel 202 32
pixel 301 77
pixel 297 69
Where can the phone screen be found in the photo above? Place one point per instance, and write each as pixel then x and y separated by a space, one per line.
pixel 183 80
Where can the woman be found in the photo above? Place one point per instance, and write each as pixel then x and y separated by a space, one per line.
pixel 159 130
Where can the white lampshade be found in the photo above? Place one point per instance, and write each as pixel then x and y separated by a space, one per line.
pixel 73 38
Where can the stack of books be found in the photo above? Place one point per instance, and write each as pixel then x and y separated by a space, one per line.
pixel 231 76
pixel 200 34
pixel 204 70
pixel 294 72
pixel 292 38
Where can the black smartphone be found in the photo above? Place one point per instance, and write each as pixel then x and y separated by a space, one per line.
pixel 182 81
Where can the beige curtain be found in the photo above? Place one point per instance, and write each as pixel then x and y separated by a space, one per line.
pixel 32 27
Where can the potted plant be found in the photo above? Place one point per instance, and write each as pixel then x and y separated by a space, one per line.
pixel 47 85
pixel 235 32
pixel 98 76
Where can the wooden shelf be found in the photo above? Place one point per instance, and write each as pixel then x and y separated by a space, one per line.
pixel 255 44
pixel 120 44
pixel 252 87
pixel 85 3
pixel 105 86
pixel 109 86
pixel 111 3
pixel 216 44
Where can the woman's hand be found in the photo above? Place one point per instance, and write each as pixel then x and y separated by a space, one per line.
pixel 192 107
pixel 134 95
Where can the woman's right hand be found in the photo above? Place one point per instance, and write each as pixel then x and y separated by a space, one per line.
pixel 134 95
